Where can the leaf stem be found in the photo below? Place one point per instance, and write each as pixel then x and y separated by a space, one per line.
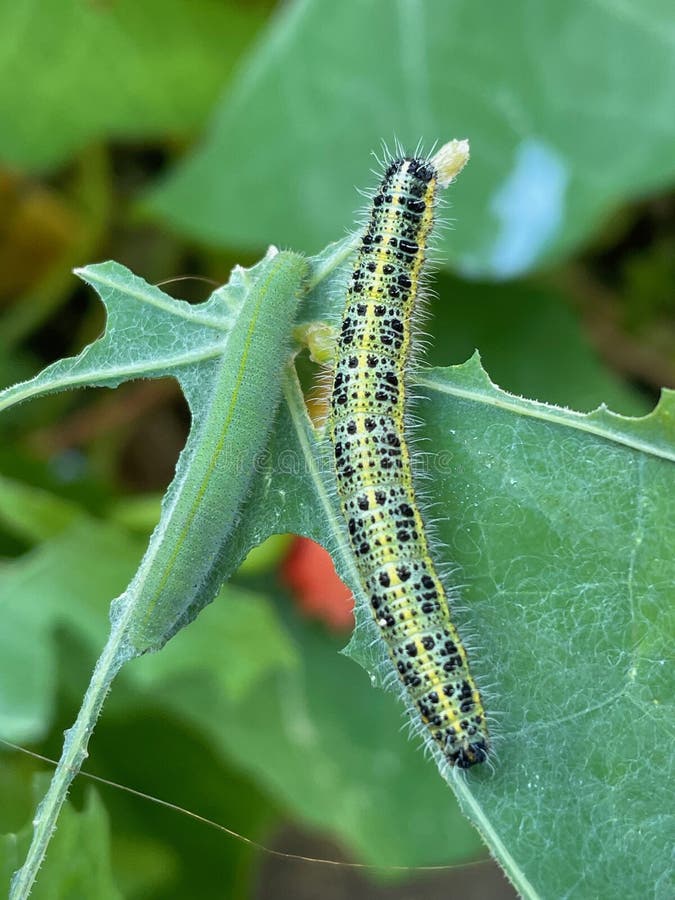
pixel 73 755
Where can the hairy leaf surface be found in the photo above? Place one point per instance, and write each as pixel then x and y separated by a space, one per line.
pixel 558 527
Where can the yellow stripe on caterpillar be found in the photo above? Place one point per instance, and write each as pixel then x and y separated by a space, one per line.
pixel 372 463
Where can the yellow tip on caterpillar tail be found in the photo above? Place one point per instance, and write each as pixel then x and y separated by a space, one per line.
pixel 450 160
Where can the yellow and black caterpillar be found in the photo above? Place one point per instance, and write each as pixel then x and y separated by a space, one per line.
pixel 372 461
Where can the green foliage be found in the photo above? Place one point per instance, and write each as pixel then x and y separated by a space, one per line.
pixel 248 322
pixel 529 342
pixel 563 128
pixel 79 865
pixel 32 513
pixel 219 354
pixel 557 525
pixel 560 526
pixel 72 72
pixel 51 591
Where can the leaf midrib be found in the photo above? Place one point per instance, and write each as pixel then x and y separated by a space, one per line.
pixel 295 401
pixel 97 377
pixel 545 412
pixel 178 308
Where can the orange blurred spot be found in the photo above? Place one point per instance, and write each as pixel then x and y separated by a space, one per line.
pixel 309 572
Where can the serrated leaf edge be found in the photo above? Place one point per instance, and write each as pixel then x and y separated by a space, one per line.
pixel 601 422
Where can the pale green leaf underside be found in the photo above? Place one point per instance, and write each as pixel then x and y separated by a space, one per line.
pixel 148 335
pixel 561 527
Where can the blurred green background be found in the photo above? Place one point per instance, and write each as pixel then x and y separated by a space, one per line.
pixel 179 138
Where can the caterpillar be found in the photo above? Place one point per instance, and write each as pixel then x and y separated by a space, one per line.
pixel 366 425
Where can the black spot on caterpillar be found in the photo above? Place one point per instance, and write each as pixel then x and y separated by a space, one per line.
pixel 385 527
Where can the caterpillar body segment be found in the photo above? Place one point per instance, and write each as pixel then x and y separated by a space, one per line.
pixel 367 422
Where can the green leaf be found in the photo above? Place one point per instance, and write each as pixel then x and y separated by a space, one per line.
pixel 78 864
pixel 208 348
pixel 33 513
pixel 563 128
pixel 224 372
pixel 559 525
pixel 245 328
pixel 529 342
pixel 238 671
pixel 326 747
pixel 74 72
pixel 148 335
pixel 158 852
pixel 243 642
pixel 54 585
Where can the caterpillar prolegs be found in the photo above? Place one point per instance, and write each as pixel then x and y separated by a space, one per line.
pixel 372 460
